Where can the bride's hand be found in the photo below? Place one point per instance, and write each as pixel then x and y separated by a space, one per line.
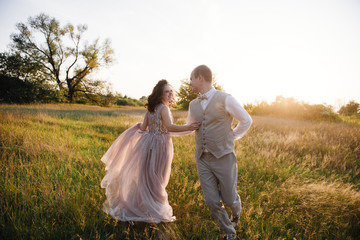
pixel 194 126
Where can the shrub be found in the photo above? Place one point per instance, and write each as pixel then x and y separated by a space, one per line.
pixel 350 109
pixel 126 101
pixel 290 108
pixel 15 90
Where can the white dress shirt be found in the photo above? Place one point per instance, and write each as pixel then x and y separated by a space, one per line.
pixel 233 108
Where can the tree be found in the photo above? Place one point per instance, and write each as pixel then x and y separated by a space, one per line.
pixel 13 65
pixel 352 108
pixel 128 101
pixel 186 95
pixel 22 82
pixel 143 99
pixel 63 58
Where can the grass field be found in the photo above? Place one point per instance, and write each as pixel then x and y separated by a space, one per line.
pixel 296 179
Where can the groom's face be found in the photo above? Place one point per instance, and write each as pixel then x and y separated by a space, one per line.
pixel 195 83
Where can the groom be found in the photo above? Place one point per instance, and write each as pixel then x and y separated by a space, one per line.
pixel 214 149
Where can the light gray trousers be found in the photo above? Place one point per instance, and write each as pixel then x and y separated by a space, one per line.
pixel 218 179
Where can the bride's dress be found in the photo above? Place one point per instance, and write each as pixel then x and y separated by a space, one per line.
pixel 138 166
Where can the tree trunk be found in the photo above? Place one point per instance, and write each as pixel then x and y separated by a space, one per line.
pixel 70 95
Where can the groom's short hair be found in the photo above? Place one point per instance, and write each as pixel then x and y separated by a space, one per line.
pixel 204 71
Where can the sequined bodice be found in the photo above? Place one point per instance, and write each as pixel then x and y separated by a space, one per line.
pixel 155 123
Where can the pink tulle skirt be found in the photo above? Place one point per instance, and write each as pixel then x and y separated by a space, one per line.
pixel 138 166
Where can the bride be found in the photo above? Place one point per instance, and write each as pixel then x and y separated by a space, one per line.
pixel 138 163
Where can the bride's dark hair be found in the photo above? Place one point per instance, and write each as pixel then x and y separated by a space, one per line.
pixel 155 97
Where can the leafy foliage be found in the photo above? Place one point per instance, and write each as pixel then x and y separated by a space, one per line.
pixel 15 90
pixel 127 101
pixel 24 68
pixel 186 95
pixel 290 108
pixel 350 109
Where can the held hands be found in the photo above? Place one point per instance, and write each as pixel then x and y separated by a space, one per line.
pixel 194 126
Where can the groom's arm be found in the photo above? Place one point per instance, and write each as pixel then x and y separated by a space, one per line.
pixel 240 114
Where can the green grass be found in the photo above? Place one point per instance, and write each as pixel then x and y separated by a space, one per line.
pixel 296 179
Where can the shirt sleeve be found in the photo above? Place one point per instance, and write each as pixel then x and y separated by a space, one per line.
pixel 190 119
pixel 240 114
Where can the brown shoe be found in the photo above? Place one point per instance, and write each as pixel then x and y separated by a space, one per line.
pixel 229 237
pixel 235 220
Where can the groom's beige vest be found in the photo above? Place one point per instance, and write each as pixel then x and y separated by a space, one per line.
pixel 215 133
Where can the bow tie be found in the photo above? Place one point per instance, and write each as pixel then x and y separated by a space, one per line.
pixel 202 97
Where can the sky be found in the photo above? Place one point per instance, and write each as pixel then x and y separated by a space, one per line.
pixel 306 49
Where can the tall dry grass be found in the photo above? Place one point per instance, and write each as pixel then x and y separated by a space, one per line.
pixel 296 179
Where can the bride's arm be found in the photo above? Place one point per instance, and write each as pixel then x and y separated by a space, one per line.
pixel 144 125
pixel 166 117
